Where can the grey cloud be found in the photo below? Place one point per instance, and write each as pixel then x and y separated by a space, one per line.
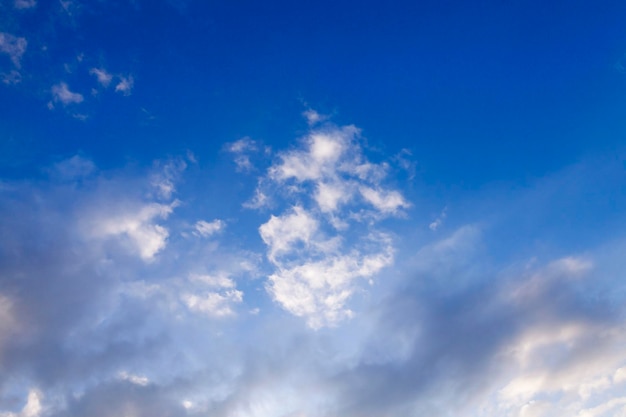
pixel 454 347
pixel 124 398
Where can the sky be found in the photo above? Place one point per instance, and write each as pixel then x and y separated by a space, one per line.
pixel 312 209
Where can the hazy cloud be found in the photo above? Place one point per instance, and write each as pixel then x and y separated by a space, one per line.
pixel 13 46
pixel 61 93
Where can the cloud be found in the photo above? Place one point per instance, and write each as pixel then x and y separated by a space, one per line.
pixel 25 4
pixel 313 117
pixel 319 246
pixel 213 303
pixel 74 168
pixel 206 229
pixel 107 308
pixel 282 233
pixel 125 85
pixel 32 408
pixel 104 78
pixel 242 149
pixel 436 224
pixel 165 175
pixel 13 46
pixel 137 224
pixel 11 78
pixel 61 93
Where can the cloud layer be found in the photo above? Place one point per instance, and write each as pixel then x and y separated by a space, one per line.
pixel 119 296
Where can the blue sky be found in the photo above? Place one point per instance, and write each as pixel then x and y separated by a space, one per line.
pixel 312 209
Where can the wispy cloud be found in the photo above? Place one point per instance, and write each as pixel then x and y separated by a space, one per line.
pixel 61 93
pixel 206 229
pixel 125 85
pixel 13 46
pixel 104 78
pixel 436 224
pixel 242 149
pixel 25 4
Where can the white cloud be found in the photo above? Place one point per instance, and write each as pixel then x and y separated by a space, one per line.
pixel 61 93
pixel 317 267
pixel 242 149
pixel 25 4
pixel 214 304
pixel 329 196
pixel 32 408
pixel 220 280
pixel 320 290
pixel 125 85
pixel 323 150
pixel 13 46
pixel 165 176
pixel 435 224
pixel 134 379
pixel 387 202
pixel 138 225
pixel 313 117
pixel 242 145
pixel 103 77
pixel 332 160
pixel 283 232
pixel 206 229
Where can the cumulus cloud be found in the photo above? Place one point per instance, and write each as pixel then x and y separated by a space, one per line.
pixel 318 246
pixel 106 309
pixel 13 46
pixel 137 224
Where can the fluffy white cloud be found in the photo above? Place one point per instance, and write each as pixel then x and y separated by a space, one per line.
pixel 317 267
pixel 320 290
pixel 138 225
pixel 283 232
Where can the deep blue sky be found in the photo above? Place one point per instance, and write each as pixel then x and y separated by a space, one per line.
pixel 312 209
pixel 532 86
